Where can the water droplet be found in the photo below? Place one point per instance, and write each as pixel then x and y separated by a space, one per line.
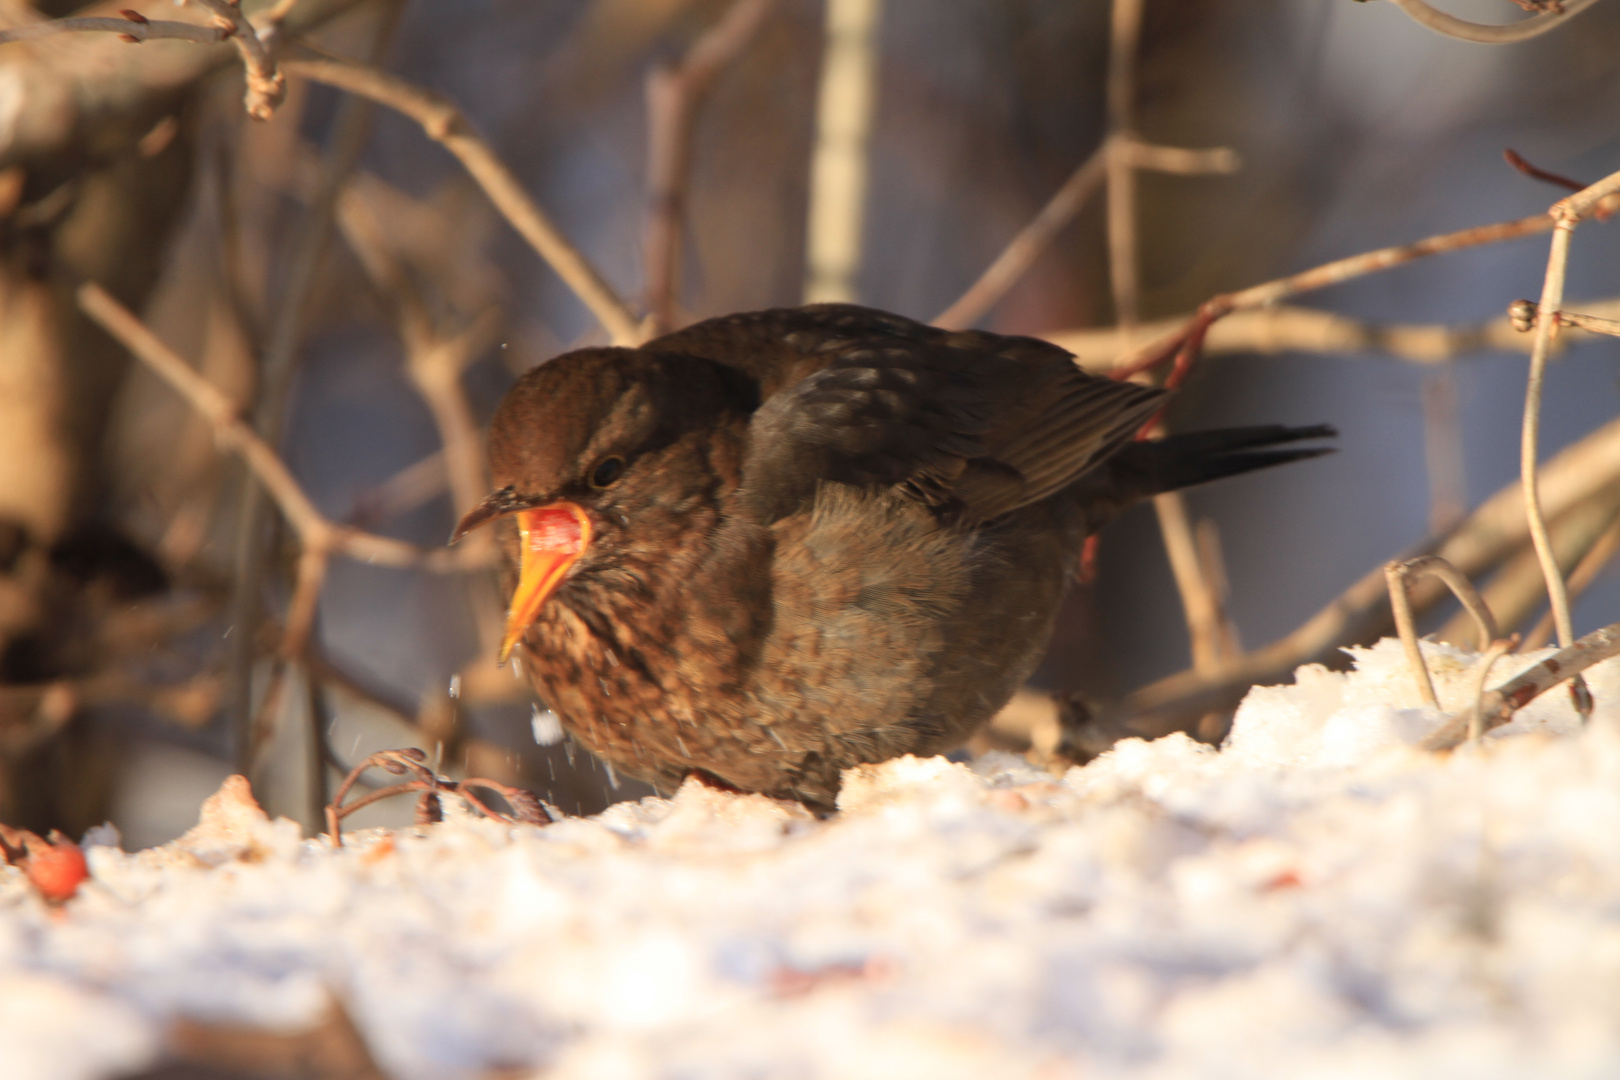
pixel 455 686
pixel 613 777
pixel 548 730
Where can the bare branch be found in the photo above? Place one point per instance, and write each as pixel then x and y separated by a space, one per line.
pixel 1033 239
pixel 133 30
pixel 1485 34
pixel 1178 160
pixel 1284 328
pixel 1361 613
pixel 1566 214
pixel 838 164
pixel 1397 573
pixel 1591 323
pixel 1586 571
pixel 673 96
pixel 266 87
pixel 1517 590
pixel 313 529
pixel 1482 675
pixel 445 124
pixel 1500 704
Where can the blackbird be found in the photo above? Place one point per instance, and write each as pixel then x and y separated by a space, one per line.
pixel 773 545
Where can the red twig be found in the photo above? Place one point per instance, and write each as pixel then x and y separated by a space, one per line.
pixel 524 807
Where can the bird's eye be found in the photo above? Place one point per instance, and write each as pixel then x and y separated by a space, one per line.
pixel 607 472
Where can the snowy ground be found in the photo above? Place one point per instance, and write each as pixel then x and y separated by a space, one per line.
pixel 1317 900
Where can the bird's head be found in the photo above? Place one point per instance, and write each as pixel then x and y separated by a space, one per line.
pixel 587 448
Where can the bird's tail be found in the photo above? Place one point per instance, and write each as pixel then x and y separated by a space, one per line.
pixel 1141 470
pixel 1179 461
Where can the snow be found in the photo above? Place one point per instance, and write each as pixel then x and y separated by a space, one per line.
pixel 1319 899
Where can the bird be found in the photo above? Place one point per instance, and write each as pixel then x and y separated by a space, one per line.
pixel 774 545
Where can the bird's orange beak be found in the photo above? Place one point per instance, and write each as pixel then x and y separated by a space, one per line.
pixel 552 538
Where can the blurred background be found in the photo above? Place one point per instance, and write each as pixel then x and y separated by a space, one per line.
pixel 310 265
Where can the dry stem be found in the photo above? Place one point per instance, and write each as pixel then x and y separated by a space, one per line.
pixel 1362 612
pixel 1499 705
pixel 838 162
pixel 1566 214
pixel 1487 34
pixel 266 87
pixel 1397 573
pixel 1585 572
pixel 673 96
pixel 313 529
pixel 445 124
pixel 132 30
pixel 525 808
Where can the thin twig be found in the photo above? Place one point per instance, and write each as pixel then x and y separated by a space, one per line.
pixel 1332 273
pixel 1566 214
pixel 1590 323
pixel 839 161
pixel 133 30
pixel 278 367
pixel 1500 704
pixel 1406 627
pixel 1024 249
pixel 1517 160
pixel 1462 588
pixel 313 529
pixel 673 96
pixel 1033 239
pixel 1482 674
pixel 1398 573
pixel 305 599
pixel 1362 612
pixel 1484 33
pixel 266 87
pixel 1586 571
pixel 445 124
pixel 525 808
pixel 1283 329
pixel 435 365
pixel 1518 590
pixel 1443 452
pixel 1208 628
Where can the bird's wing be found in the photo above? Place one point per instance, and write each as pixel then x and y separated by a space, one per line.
pixel 975 421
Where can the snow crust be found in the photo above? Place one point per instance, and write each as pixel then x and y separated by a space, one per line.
pixel 1319 899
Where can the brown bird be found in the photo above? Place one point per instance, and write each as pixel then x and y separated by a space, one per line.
pixel 774 545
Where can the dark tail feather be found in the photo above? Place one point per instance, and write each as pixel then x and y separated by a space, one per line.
pixel 1143 469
